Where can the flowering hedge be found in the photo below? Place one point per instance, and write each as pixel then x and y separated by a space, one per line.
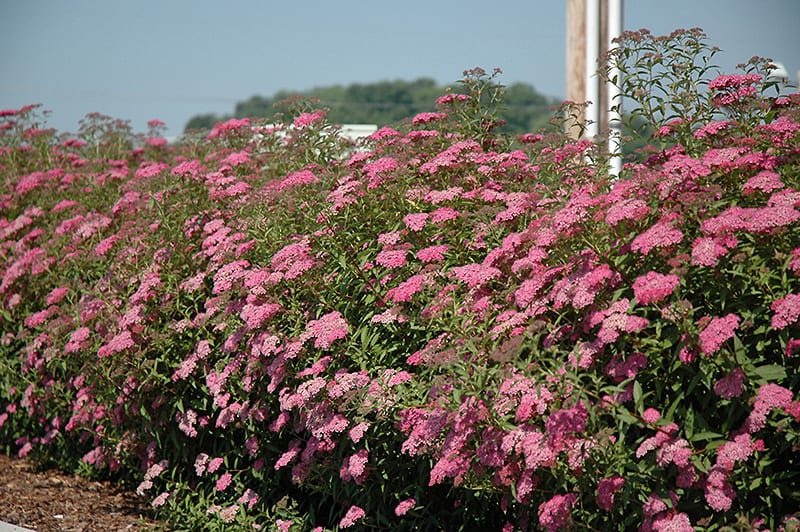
pixel 442 329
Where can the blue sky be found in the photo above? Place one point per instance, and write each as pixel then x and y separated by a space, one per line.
pixel 171 59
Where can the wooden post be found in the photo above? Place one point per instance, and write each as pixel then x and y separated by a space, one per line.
pixel 576 57
pixel 602 101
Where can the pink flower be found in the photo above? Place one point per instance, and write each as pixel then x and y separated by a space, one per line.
pixel 326 330
pixel 236 158
pixel 391 315
pixel 751 219
pixel 160 500
pixel 256 315
pixel 718 492
pixel 404 507
pixel 717 332
pixel 453 465
pixel 422 134
pixel 629 209
pixel 475 275
pixel 769 397
pixel 654 287
pixel 606 489
pixel 392 258
pixel 675 522
pixel 150 169
pixel 530 138
pixel 660 235
pixel 105 245
pixel 450 98
pixel 440 196
pixel 228 275
pixel 793 347
pixel 39 318
pixel 651 415
pixel 390 239
pixel 580 288
pixel 416 221
pixel 555 514
pixel 379 170
pixel 424 118
pixel 354 513
pixel 223 482
pixel 444 214
pixel 186 423
pixel 296 179
pixel 306 119
pixel 289 456
pixel 652 506
pixel 733 81
pixel 354 467
pixel 566 421
pixel 706 251
pixel 712 128
pixel 384 133
pixel 200 464
pixel 733 88
pixel 738 450
pixel 229 514
pixel 731 385
pixel 432 253
pixel 57 295
pixel 214 464
pixel 794 261
pixel 405 291
pixel 117 344
pixel 357 432
pixel 787 311
pixel 765 181
pixel 232 125
pixel 188 168
pixel 250 498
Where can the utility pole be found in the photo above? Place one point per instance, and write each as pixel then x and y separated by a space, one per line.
pixel 591 27
pixel 614 94
pixel 576 59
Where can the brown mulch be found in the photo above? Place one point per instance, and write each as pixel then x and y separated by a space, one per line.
pixel 51 500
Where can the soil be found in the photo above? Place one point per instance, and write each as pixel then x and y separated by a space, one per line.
pixel 50 500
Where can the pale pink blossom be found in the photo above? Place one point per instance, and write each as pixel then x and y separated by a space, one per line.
pixel 353 515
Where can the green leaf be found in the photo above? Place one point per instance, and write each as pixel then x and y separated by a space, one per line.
pixel 770 373
pixel 626 417
pixel 701 436
pixel 688 425
pixel 637 396
pixel 671 411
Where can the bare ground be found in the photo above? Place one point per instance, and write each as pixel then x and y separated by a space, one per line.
pixel 50 500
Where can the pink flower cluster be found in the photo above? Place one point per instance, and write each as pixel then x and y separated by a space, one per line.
pixel 654 287
pixel 717 332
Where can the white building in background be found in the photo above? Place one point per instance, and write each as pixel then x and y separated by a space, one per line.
pixel 358 131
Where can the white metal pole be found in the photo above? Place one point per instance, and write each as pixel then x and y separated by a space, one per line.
pixel 592 80
pixel 613 91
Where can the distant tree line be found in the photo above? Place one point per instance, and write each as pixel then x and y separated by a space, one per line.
pixel 388 102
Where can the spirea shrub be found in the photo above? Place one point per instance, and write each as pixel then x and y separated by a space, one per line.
pixel 441 328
